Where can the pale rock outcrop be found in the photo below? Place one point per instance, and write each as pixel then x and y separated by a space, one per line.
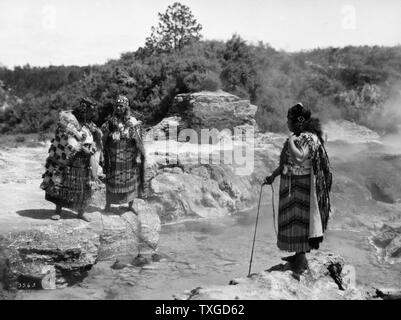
pixel 49 256
pixel 161 131
pixel 220 110
pixel 328 278
pixel 387 241
pixel 189 188
pixel 190 193
pixel 205 180
pixel 149 226
pixel 61 253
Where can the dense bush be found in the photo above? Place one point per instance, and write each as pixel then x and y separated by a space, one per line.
pixel 353 83
pixel 41 80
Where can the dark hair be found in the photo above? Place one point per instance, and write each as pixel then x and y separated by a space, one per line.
pixel 303 121
pixel 86 105
pixel 298 113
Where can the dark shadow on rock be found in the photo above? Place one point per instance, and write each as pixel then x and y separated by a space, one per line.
pixel 140 261
pixel 280 267
pixel 388 294
pixel 335 273
pixel 118 265
pixel 285 267
pixel 43 214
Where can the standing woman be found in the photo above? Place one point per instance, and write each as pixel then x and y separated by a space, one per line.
pixel 305 184
pixel 70 167
pixel 124 155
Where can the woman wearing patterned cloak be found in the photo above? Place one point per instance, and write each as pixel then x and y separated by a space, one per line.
pixel 305 184
pixel 124 156
pixel 71 165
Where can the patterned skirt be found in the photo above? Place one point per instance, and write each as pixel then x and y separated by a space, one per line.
pixel 122 171
pixel 294 213
pixel 74 190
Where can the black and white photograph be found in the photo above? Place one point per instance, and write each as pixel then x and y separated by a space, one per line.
pixel 200 150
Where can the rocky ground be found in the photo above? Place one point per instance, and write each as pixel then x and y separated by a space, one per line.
pixel 328 278
pixel 50 254
pixel 365 199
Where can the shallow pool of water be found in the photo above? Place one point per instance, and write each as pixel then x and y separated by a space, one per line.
pixel 214 251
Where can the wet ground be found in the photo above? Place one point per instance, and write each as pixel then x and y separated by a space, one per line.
pixel 209 252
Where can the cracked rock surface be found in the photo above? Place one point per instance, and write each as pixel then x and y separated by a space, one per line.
pixel 328 278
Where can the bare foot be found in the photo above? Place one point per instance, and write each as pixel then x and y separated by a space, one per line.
pixel 83 216
pixel 57 213
pixel 299 266
pixel 289 258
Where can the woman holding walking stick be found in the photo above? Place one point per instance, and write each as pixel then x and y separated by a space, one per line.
pixel 305 183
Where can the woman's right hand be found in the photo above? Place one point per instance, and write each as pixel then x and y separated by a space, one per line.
pixel 269 179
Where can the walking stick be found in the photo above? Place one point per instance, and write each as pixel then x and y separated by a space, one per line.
pixel 274 211
pixel 254 235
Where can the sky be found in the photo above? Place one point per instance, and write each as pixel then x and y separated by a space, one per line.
pixel 81 32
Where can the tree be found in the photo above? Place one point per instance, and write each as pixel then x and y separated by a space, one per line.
pixel 177 27
pixel 239 75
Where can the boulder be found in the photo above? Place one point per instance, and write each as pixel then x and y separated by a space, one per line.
pixel 219 110
pixel 387 242
pixel 61 253
pixel 184 194
pixel 184 179
pixel 162 130
pixel 118 233
pixel 49 256
pixel 328 278
pixel 122 231
pixel 180 184
pixel 149 226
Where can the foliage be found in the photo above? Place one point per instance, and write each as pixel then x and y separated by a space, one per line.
pixel 41 80
pixel 239 74
pixel 352 83
pixel 177 27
